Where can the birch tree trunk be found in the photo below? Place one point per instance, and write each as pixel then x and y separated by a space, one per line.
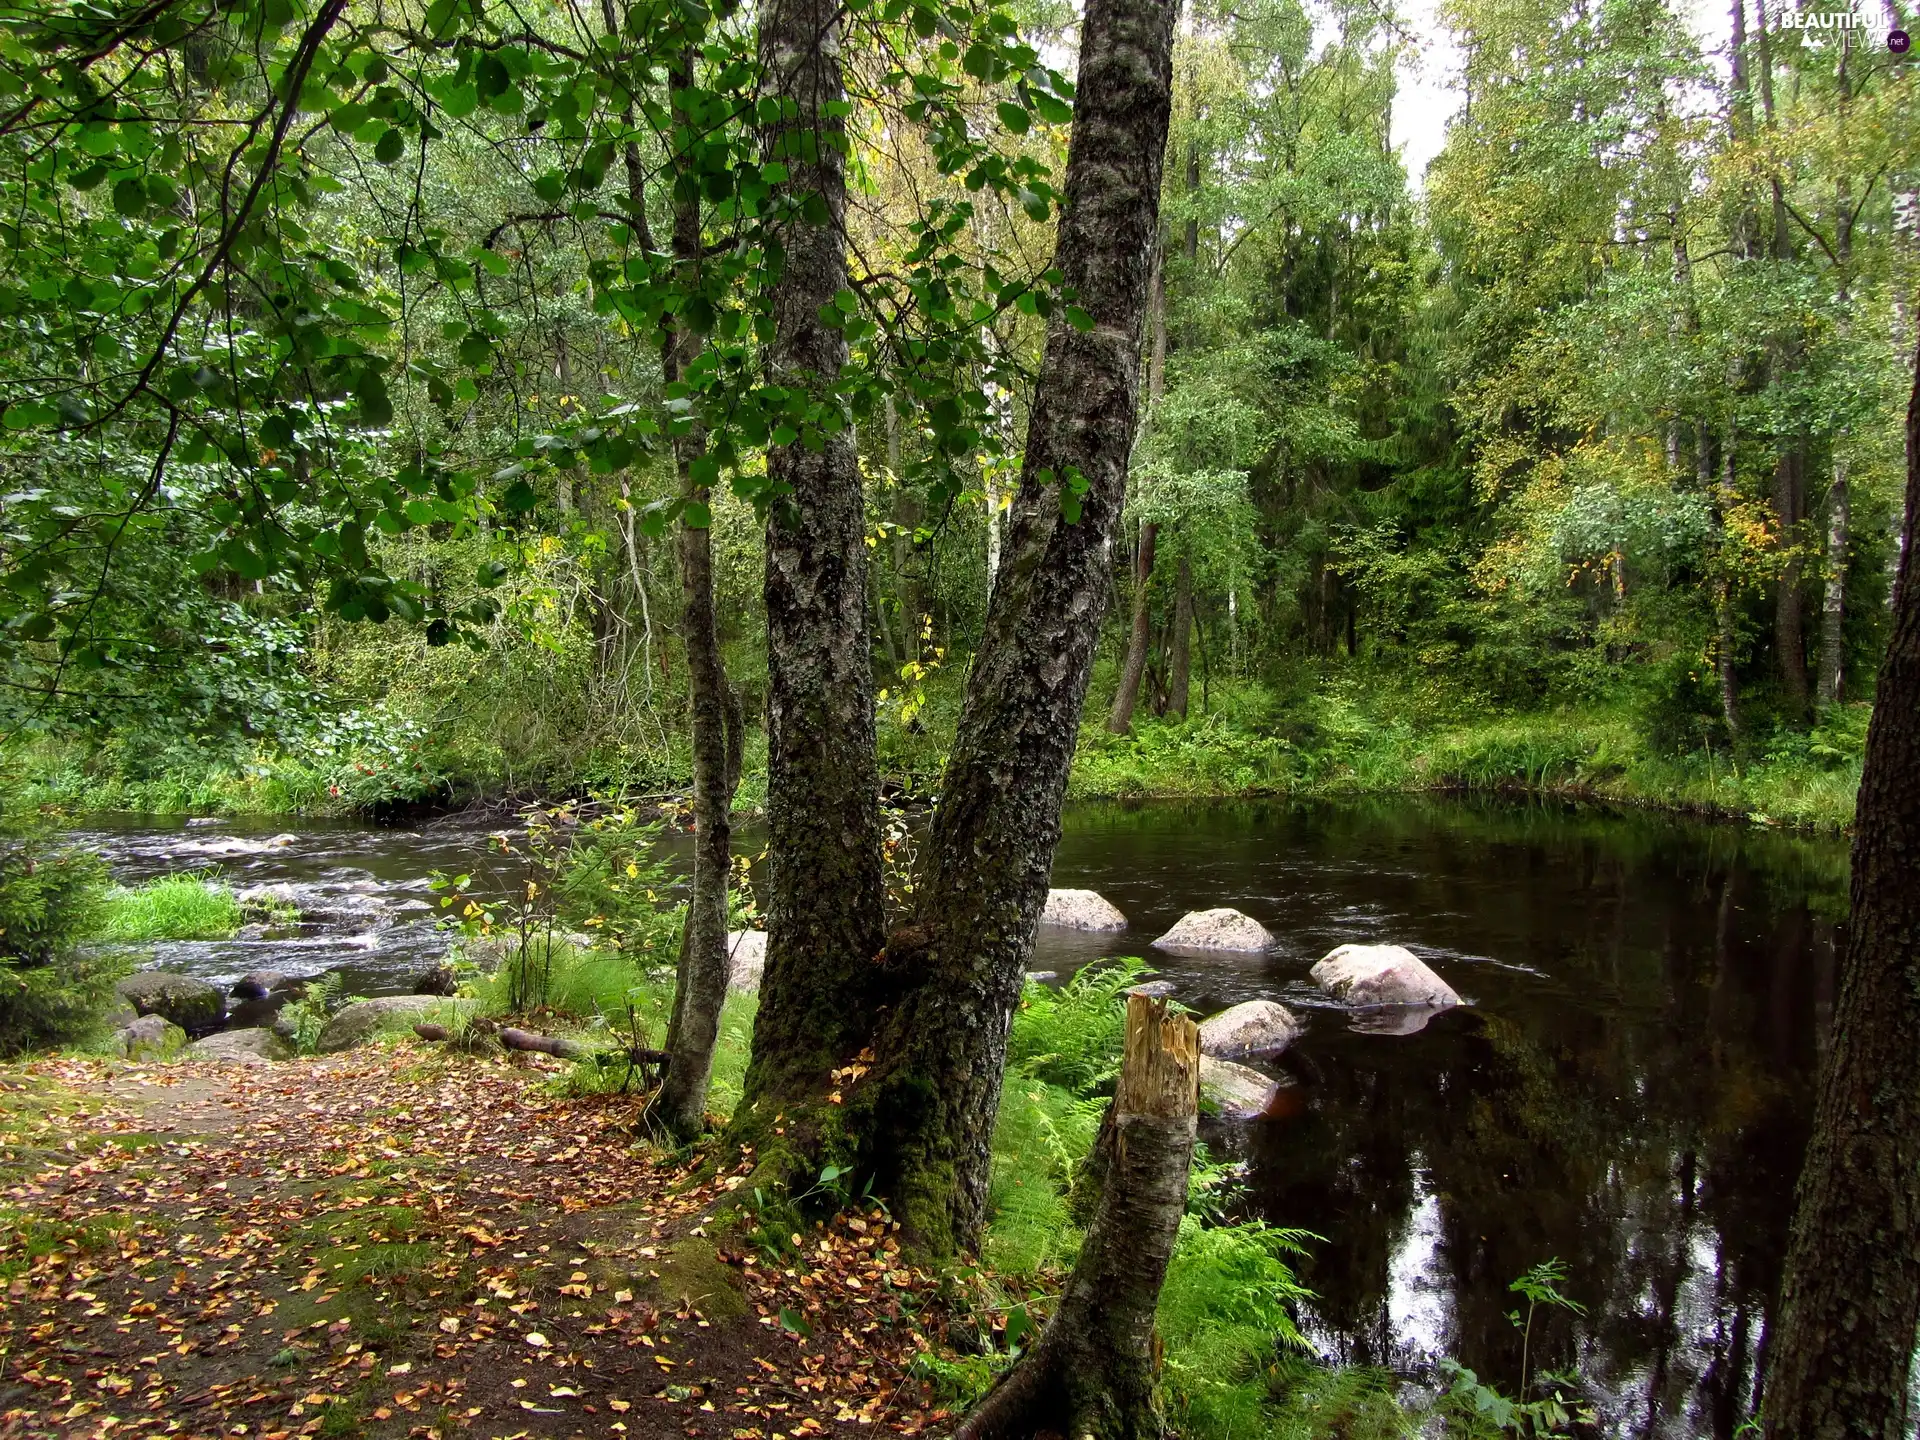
pixel 926 1108
pixel 1092 1372
pixel 825 895
pixel 1134 667
pixel 1850 1296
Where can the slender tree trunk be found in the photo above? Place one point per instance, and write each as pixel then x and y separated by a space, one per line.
pixel 1180 646
pixel 929 1103
pixel 825 918
pixel 1833 609
pixel 700 988
pixel 1134 667
pixel 1789 623
pixel 1850 1297
pixel 1726 641
pixel 1092 1373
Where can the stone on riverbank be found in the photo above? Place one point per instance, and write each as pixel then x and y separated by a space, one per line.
pixel 258 984
pixel 1256 1027
pixel 366 1019
pixel 241 1047
pixel 1237 1092
pixel 1081 910
pixel 1382 975
pixel 194 1005
pixel 746 960
pixel 151 1037
pixel 1221 929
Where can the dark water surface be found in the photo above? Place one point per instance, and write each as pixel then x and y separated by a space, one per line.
pixel 1628 1089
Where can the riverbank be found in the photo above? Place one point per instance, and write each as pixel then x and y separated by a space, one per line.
pixel 1344 733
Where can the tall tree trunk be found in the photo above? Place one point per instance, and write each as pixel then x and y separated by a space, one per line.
pixel 1850 1296
pixel 1092 1373
pixel 1789 612
pixel 825 917
pixel 700 988
pixel 1727 637
pixel 1134 667
pixel 929 1103
pixel 1834 603
pixel 1180 645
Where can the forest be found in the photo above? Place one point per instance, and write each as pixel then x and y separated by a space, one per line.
pixel 603 484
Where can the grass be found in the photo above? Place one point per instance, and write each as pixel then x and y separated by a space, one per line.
pixel 191 906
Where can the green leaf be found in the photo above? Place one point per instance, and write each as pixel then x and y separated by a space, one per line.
pixel 1035 205
pixel 130 197
pixel 794 1323
pixel 696 516
pixel 1014 117
pixel 1079 318
pixel 390 146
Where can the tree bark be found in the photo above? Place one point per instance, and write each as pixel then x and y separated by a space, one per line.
pixel 1850 1296
pixel 1180 646
pixel 1134 667
pixel 1789 622
pixel 1092 1372
pixel 1834 603
pixel 928 1105
pixel 825 893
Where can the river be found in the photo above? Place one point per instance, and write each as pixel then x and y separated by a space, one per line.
pixel 1628 1089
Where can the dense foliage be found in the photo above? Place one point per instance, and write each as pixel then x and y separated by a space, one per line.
pixel 51 986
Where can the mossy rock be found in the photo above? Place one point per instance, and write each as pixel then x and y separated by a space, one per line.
pixel 151 1037
pixel 194 1005
pixel 692 1271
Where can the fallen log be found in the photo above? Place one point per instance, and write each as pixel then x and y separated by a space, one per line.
pixel 1092 1372
pixel 433 1032
pixel 557 1045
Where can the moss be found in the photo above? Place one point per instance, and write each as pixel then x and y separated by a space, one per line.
pixel 692 1272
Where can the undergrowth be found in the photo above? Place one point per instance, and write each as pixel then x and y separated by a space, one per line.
pixel 190 906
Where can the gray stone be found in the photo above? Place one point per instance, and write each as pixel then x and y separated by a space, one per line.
pixel 258 984
pixel 436 980
pixel 365 1020
pixel 1152 989
pixel 1382 975
pixel 746 960
pixel 194 1005
pixel 1221 929
pixel 1081 910
pixel 1042 977
pixel 241 1047
pixel 490 952
pixel 1256 1027
pixel 1235 1091
pixel 151 1037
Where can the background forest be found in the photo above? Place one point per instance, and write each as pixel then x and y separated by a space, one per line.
pixel 1576 466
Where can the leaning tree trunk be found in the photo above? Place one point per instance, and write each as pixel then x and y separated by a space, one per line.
pixel 1850 1298
pixel 1092 1372
pixel 1180 647
pixel 825 892
pixel 926 1110
pixel 1134 668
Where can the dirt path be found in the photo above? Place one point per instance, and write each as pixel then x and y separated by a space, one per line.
pixel 392 1245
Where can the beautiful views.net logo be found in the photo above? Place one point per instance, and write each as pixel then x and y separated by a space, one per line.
pixel 1846 27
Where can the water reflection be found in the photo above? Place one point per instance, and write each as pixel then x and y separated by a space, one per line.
pixel 1629 1090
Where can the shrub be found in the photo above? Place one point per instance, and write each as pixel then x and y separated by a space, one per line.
pixel 51 990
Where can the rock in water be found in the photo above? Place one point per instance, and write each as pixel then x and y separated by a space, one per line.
pixel 194 1005
pixel 1222 929
pixel 1235 1091
pixel 436 980
pixel 258 984
pixel 151 1037
pixel 365 1019
pixel 1257 1027
pixel 1081 910
pixel 1153 989
pixel 746 959
pixel 241 1047
pixel 1382 975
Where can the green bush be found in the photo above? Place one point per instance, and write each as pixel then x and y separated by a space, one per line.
pixel 192 906
pixel 52 991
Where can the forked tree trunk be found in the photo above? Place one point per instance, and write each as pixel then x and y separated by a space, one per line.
pixel 825 921
pixel 927 1107
pixel 1180 646
pixel 1850 1296
pixel 1134 667
pixel 1092 1372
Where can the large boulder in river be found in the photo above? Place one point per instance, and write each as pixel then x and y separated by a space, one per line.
pixel 1238 1092
pixel 258 984
pixel 1221 929
pixel 194 1005
pixel 151 1037
pixel 1257 1027
pixel 746 960
pixel 1382 975
pixel 1081 910
pixel 365 1020
pixel 241 1047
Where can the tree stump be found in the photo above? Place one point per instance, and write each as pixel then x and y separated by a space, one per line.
pixel 1092 1373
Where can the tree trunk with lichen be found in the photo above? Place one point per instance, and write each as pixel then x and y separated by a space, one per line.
pixel 926 1106
pixel 1093 1372
pixel 825 893
pixel 1850 1296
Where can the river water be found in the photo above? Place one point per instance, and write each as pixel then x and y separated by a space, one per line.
pixel 1628 1089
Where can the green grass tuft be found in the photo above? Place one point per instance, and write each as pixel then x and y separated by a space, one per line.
pixel 193 906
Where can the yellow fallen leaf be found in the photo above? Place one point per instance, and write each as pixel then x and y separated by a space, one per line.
pixel 560 1392
pixel 621 1405
pixel 405 1367
pixel 622 1297
pixel 450 1324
